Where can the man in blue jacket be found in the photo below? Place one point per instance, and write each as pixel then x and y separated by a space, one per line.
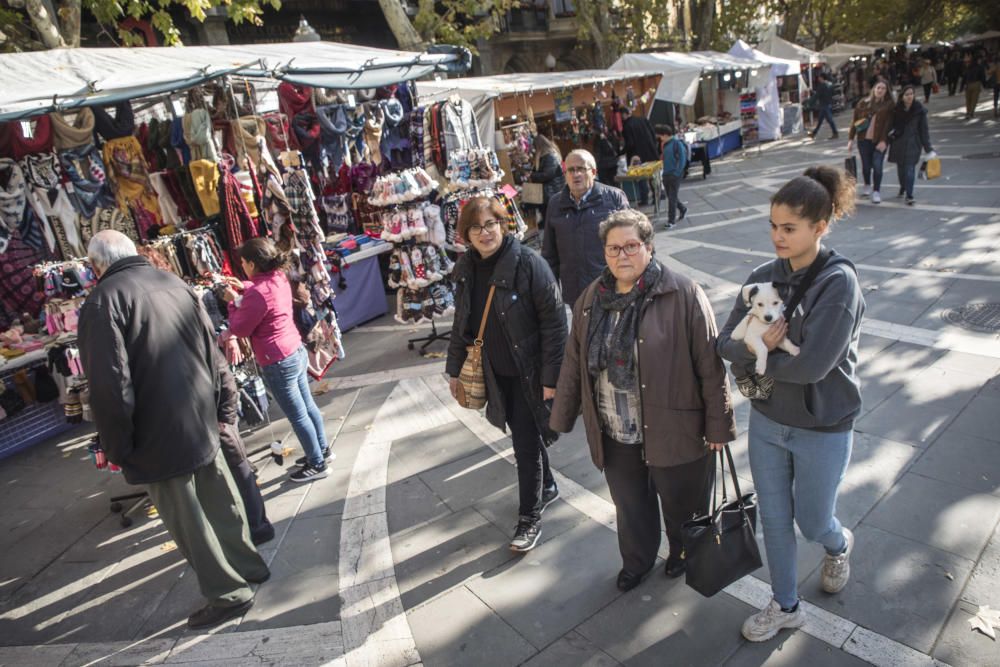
pixel 674 160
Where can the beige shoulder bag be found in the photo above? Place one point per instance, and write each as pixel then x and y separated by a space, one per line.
pixel 471 383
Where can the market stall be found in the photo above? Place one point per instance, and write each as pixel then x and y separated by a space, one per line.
pixel 772 107
pixel 180 151
pixel 707 87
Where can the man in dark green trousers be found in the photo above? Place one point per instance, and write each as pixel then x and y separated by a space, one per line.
pixel 148 351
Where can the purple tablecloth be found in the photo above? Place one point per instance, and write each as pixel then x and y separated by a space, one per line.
pixel 364 299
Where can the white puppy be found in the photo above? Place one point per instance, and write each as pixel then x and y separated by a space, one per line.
pixel 766 307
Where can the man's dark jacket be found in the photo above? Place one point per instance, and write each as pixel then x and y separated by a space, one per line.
pixel 148 351
pixel 571 245
pixel 640 139
pixel 532 316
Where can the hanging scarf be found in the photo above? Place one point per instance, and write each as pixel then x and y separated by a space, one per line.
pixel 122 125
pixel 85 169
pixel 19 291
pixel 237 224
pixel 417 136
pixel 71 135
pixel 205 176
pixel 307 131
pixel 245 133
pixel 617 355
pixel 294 99
pixel 15 213
pixel 374 121
pixel 277 131
pixel 324 96
pixel 177 140
pixel 198 135
pixel 109 218
pixel 333 125
pixel 159 140
pixel 42 170
pixel 14 144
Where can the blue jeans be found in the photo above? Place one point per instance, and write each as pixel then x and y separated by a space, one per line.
pixel 907 177
pixel 288 381
pixel 825 113
pixel 778 455
pixel 871 163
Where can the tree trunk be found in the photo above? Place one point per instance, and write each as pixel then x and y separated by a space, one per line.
pixel 399 23
pixel 795 13
pixel 703 13
pixel 45 22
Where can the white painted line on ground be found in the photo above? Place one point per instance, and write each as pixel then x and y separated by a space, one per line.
pixel 937 208
pixel 375 628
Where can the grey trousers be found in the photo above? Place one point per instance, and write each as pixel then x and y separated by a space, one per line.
pixel 204 515
pixel 683 492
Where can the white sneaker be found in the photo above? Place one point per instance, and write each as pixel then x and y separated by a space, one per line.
pixel 768 621
pixel 876 197
pixel 837 569
pixel 867 191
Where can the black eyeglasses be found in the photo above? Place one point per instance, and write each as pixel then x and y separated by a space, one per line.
pixel 615 250
pixel 490 226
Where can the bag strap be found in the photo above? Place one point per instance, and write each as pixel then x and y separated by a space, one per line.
pixel 486 313
pixel 807 281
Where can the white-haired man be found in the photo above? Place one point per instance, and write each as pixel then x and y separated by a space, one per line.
pixel 149 354
pixel 572 246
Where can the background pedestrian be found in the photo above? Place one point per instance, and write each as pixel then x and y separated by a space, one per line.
pixel 910 137
pixel 870 126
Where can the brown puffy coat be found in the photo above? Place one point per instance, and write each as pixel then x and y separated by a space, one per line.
pixel 684 390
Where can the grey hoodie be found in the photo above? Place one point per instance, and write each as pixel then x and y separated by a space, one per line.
pixel 818 389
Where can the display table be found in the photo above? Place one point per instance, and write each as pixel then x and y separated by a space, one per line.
pixel 364 297
pixel 36 422
pixel 651 172
pixel 718 139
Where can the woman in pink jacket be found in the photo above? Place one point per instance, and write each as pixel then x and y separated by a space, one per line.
pixel 261 310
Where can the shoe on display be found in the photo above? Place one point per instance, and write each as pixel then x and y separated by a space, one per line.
pixel 548 496
pixel 211 615
pixel 328 456
pixel 309 473
pixel 837 569
pixel 876 197
pixel 768 621
pixel 526 535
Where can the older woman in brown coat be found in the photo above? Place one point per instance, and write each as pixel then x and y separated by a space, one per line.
pixel 641 364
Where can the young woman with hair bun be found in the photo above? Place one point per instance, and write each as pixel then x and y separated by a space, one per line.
pixel 800 435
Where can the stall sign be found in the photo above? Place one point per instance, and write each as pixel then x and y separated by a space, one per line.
pixel 564 108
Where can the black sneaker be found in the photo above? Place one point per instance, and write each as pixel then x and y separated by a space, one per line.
pixel 910 201
pixel 328 456
pixel 211 615
pixel 308 473
pixel 548 497
pixel 526 535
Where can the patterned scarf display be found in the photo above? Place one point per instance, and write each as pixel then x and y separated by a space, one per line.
pixel 16 216
pixel 198 135
pixel 67 135
pixel 84 168
pixel 617 356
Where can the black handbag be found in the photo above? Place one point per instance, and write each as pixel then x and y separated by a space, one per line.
pixel 720 548
pixel 851 167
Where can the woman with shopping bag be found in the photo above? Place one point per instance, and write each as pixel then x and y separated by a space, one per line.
pixel 870 126
pixel 910 137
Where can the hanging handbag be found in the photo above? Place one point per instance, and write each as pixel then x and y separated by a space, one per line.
pixel 851 167
pixel 471 381
pixel 720 548
pixel 759 387
pixel 533 193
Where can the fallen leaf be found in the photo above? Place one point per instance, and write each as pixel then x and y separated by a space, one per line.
pixel 168 546
pixel 949 576
pixel 985 620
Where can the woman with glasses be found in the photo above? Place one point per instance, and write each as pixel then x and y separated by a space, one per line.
pixel 641 366
pixel 523 345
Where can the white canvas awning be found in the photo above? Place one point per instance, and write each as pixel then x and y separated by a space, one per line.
pixel 837 54
pixel 989 34
pixel 779 66
pixel 481 91
pixel 782 48
pixel 682 71
pixel 43 81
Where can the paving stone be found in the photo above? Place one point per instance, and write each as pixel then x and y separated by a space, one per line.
pixel 183 598
pixel 432 448
pixel 459 629
pixel 961 645
pixel 466 481
pixel 308 645
pixel 942 515
pixel 899 588
pixel 570 447
pixel 409 503
pixel 119 654
pixel 35 656
pixel 294 600
pixel 439 555
pixel 571 577
pixel 980 418
pixel 973 364
pixel 663 617
pixel 586 475
pixel 927 404
pixel 983 586
pixel 876 464
pixel 572 650
pixel 961 459
pixel 370 399
pixel 309 549
pixel 792 650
